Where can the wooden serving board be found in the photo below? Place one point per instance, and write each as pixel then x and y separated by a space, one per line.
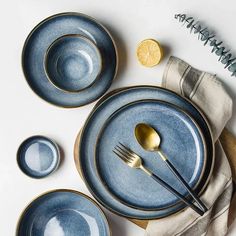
pixel 228 142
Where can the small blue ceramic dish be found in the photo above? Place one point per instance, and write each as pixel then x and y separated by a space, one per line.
pixel 38 156
pixel 73 63
pixel 63 213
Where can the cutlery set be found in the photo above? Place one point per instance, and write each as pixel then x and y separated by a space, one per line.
pixel 135 161
pixel 150 140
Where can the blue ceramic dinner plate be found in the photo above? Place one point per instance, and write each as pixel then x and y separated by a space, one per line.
pixel 85 150
pixel 44 34
pixel 63 213
pixel 38 156
pixel 181 140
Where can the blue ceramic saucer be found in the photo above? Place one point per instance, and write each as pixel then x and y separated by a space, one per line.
pixel 84 149
pixel 182 142
pixel 38 156
pixel 63 213
pixel 73 63
pixel 40 39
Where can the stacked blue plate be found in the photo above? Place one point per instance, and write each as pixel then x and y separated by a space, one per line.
pixel 69 59
pixel 186 140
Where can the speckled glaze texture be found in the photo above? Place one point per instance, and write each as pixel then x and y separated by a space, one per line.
pixel 93 126
pixel 38 156
pixel 63 213
pixel 73 63
pixel 42 37
pixel 182 142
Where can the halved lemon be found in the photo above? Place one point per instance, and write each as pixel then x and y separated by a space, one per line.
pixel 149 52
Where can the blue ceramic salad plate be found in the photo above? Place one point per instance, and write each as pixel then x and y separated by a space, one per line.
pixel 42 38
pixel 63 213
pixel 38 156
pixel 86 149
pixel 182 142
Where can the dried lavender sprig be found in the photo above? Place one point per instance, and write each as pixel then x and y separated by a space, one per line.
pixel 225 57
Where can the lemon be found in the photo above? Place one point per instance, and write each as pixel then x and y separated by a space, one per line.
pixel 149 52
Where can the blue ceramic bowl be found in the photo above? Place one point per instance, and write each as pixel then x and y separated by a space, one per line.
pixel 63 212
pixel 38 156
pixel 73 63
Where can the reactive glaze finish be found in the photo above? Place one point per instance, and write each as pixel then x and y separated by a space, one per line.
pixel 63 213
pixel 38 156
pixel 42 36
pixel 73 63
pixel 109 104
pixel 182 142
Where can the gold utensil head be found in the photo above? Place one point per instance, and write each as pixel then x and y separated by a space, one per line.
pixel 132 159
pixel 147 137
pixel 128 156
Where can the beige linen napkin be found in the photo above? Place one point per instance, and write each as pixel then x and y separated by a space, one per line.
pixel 207 92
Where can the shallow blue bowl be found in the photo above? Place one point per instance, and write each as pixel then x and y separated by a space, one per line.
pixel 38 156
pixel 73 63
pixel 63 212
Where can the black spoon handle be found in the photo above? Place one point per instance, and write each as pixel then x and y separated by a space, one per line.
pixel 177 194
pixel 183 182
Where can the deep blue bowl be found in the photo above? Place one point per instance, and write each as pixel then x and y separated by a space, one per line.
pixel 63 212
pixel 38 156
pixel 73 63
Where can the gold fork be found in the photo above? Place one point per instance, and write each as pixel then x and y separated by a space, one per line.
pixel 133 160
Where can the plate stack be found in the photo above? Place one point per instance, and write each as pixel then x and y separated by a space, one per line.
pixel 186 140
pixel 69 59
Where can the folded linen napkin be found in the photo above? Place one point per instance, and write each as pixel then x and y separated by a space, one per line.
pixel 207 92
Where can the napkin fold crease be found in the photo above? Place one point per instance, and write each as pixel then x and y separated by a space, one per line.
pixel 207 92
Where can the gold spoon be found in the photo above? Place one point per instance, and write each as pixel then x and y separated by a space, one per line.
pixel 150 140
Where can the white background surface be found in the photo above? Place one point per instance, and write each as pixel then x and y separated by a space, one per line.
pixel 23 114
